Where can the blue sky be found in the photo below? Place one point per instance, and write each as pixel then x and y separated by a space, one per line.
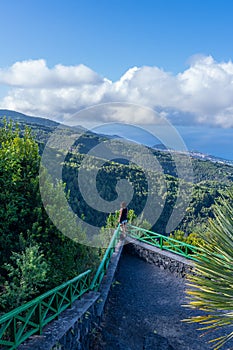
pixel 111 36
pixel 173 56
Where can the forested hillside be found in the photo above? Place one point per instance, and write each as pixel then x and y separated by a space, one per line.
pixel 35 256
pixel 28 237
pixel 203 193
pixel 210 179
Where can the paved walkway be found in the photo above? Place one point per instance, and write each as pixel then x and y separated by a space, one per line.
pixel 146 303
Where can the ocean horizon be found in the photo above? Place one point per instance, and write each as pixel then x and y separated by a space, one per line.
pixel 213 141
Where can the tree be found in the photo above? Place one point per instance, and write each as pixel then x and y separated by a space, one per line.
pixel 19 164
pixel 23 218
pixel 210 290
pixel 27 274
pixel 112 220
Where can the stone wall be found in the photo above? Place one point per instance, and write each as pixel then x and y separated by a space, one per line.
pixel 70 331
pixel 164 259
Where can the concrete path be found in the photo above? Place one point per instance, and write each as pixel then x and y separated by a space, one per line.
pixel 144 311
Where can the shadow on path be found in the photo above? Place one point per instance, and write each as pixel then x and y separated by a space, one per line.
pixel 145 305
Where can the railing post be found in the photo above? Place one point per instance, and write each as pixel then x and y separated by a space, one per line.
pixel 39 317
pixel 70 294
pixel 14 331
pixel 161 242
pixel 56 306
pixel 186 251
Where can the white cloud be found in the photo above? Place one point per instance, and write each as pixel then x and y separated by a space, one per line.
pixel 203 93
pixel 36 74
pixel 116 112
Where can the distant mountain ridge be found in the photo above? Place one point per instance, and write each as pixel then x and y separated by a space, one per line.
pixel 20 117
pixel 48 126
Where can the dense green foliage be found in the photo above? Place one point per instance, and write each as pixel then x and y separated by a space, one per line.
pixel 19 162
pixel 35 256
pixel 192 239
pixel 132 219
pixel 164 186
pixel 27 274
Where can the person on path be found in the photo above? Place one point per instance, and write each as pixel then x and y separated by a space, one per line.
pixel 123 218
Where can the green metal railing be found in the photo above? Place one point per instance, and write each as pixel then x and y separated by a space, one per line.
pixel 19 324
pixel 165 243
pixel 106 259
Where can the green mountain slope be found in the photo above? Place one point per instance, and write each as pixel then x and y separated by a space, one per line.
pixel 210 179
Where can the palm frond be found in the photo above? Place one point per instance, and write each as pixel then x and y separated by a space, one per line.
pixel 210 289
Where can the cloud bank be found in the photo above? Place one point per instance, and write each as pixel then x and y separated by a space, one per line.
pixel 202 94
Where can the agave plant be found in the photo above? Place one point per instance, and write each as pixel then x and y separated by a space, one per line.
pixel 211 288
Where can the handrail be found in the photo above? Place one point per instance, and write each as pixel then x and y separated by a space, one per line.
pixel 19 324
pixel 165 243
pixel 105 261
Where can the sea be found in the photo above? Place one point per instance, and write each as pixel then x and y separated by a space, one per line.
pixel 213 141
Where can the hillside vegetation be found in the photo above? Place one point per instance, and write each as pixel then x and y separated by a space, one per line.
pixel 35 256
